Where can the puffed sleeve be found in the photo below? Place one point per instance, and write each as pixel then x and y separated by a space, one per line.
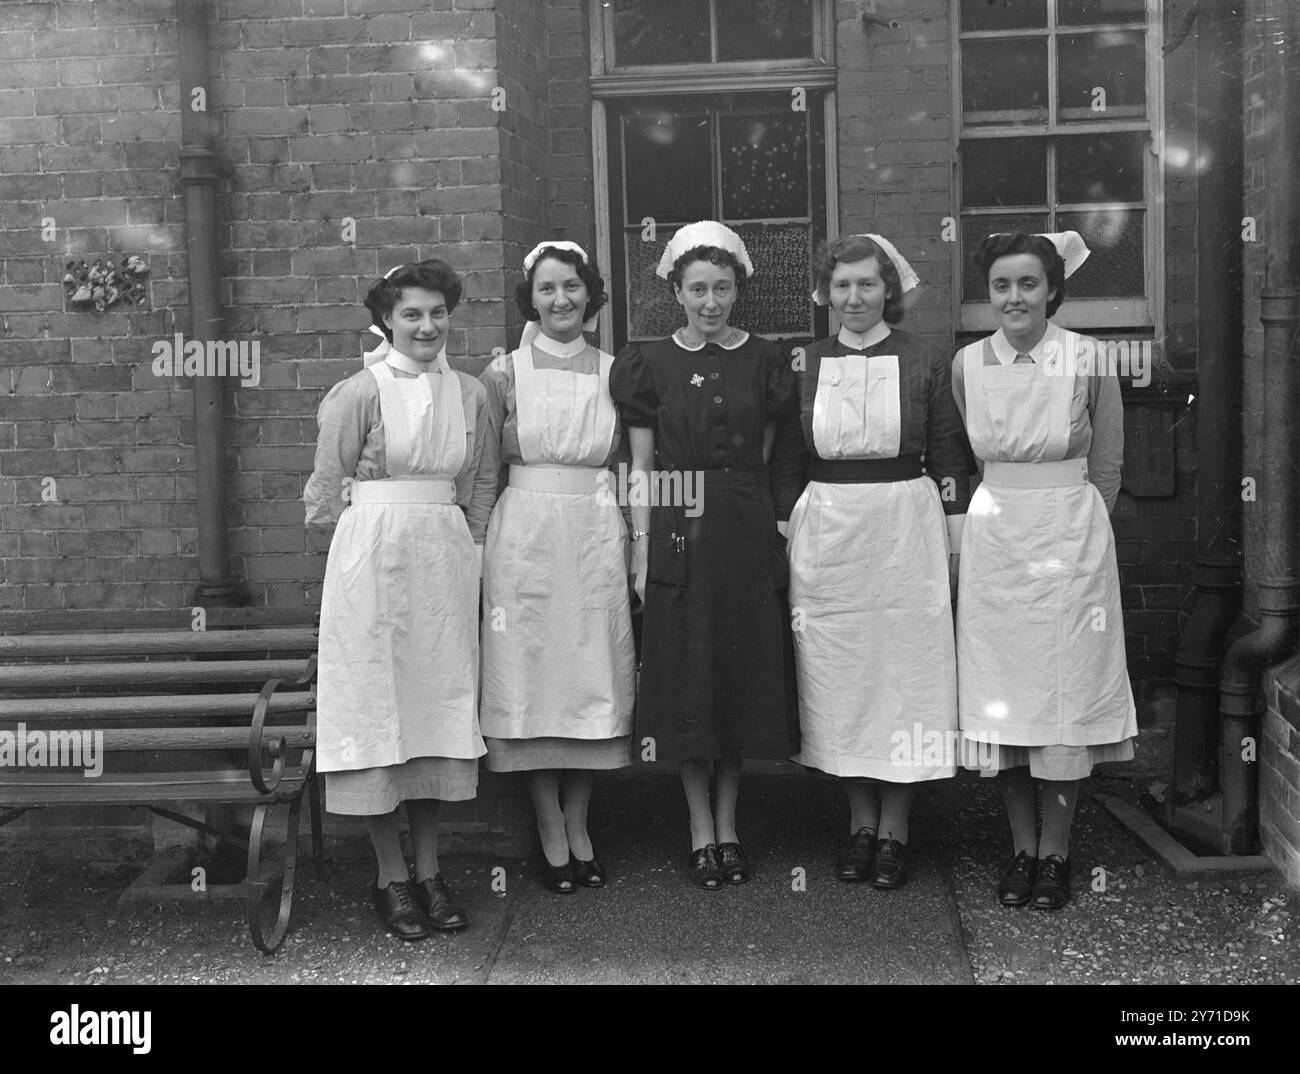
pixel 791 460
pixel 633 389
pixel 1106 455
pixel 344 420
pixel 484 462
pixel 948 457
pixel 780 384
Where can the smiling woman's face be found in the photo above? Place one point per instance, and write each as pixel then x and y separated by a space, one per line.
pixel 707 293
pixel 1019 293
pixel 419 323
pixel 560 298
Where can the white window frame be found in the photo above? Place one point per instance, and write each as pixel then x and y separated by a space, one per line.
pixel 1145 312
pixel 816 72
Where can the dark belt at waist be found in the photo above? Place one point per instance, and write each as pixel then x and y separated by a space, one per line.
pixel 867 471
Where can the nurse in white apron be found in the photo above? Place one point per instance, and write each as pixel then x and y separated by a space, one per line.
pixel 558 657
pixel 870 571
pixel 407 470
pixel 1043 683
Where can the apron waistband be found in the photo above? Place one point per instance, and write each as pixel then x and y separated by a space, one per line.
pixel 868 471
pixel 570 479
pixel 1037 475
pixel 405 490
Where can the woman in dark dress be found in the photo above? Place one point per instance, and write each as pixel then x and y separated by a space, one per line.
pixel 702 407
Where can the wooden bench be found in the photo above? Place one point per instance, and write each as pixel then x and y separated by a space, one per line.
pixel 174 716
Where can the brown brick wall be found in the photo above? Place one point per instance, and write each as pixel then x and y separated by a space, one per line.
pixel 381 111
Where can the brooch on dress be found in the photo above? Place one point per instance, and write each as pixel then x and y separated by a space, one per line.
pixel 697 380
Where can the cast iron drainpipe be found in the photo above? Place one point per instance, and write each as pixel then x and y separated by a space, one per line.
pixel 1218 428
pixel 201 168
pixel 1278 489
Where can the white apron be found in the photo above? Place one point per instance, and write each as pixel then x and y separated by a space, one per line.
pixel 1040 632
pixel 558 656
pixel 869 595
pixel 399 616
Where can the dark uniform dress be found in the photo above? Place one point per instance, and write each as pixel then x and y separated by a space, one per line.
pixel 715 660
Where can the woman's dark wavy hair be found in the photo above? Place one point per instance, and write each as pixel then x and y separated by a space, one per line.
pixel 587 273
pixel 431 275
pixel 1021 242
pixel 713 254
pixel 858 248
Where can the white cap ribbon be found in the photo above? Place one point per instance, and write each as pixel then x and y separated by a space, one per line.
pixel 703 233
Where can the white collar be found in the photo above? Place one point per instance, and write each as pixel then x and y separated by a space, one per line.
pixel 677 338
pixel 557 349
pixel 862 340
pixel 406 364
pixel 1006 353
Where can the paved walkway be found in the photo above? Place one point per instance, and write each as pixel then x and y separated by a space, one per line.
pixel 1134 922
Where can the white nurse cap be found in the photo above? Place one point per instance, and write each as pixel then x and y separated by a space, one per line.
pixel 703 233
pixel 1069 244
pixel 907 277
pixel 554 244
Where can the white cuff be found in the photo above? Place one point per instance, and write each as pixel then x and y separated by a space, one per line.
pixel 782 528
pixel 478 562
pixel 955 525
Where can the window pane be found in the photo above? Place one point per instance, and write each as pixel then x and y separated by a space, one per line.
pixel 665 31
pixel 1003 14
pixel 1113 63
pixel 652 311
pixel 1093 12
pixel 974 230
pixel 776 301
pixel 1004 78
pixel 764 29
pixel 1116 240
pixel 1004 171
pixel 1100 167
pixel 668 167
pixel 764 166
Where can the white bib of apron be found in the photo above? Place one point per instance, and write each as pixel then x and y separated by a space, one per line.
pixel 407 405
pixel 856 409
pixel 1018 413
pixel 564 418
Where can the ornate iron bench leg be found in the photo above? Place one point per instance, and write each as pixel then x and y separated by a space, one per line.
pixel 317 839
pixel 257 887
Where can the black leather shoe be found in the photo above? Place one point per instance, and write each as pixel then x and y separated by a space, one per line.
pixel 1052 886
pixel 444 913
pixel 889 870
pixel 705 870
pixel 590 874
pixel 734 863
pixel 854 863
pixel 1017 883
pixel 399 909
pixel 559 878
